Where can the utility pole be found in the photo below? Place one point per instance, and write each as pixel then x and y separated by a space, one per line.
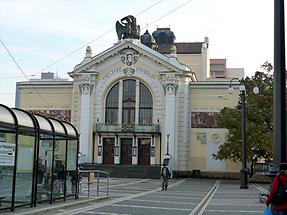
pixel 279 86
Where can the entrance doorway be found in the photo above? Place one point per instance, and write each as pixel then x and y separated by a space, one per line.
pixel 126 150
pixel 108 152
pixel 144 151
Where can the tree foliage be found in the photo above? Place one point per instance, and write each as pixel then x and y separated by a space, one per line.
pixel 259 116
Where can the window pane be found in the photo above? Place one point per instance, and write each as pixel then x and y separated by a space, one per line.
pixel 24 172
pixel 7 167
pixel 145 105
pixel 112 103
pixel 145 116
pixel 58 126
pixel 129 93
pixel 43 123
pixel 23 118
pixel 59 168
pixel 6 116
pixel 145 97
pixel 44 168
pixel 71 167
pixel 111 116
pixel 129 101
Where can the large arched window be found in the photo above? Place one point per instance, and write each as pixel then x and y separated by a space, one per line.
pixel 112 105
pixel 129 107
pixel 145 105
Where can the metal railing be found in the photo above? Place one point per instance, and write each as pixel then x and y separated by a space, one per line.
pixel 94 178
pixel 104 127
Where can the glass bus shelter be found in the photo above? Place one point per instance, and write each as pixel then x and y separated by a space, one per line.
pixel 38 159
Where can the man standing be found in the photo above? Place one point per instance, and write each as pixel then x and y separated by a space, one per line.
pixel 165 174
pixel 40 179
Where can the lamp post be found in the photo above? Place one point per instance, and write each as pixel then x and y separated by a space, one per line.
pixel 167 144
pixel 242 88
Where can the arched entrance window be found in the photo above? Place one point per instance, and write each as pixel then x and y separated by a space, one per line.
pixel 112 105
pixel 129 108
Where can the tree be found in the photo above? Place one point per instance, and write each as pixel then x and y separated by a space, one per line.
pixel 259 116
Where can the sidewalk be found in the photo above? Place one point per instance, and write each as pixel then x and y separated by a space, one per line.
pixel 47 208
pixel 58 205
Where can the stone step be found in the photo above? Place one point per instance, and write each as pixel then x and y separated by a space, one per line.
pixel 131 171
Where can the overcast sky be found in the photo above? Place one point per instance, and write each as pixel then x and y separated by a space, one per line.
pixel 39 33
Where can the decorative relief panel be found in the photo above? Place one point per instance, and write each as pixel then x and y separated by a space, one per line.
pixel 86 87
pixel 204 119
pixel 201 137
pixel 170 84
pixel 215 138
pixel 129 58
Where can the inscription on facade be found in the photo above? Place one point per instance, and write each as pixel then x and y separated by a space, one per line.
pixel 111 73
pixel 145 72
pixel 139 70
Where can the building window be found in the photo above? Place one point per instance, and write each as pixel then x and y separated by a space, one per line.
pixel 129 107
pixel 145 105
pixel 129 101
pixel 217 65
pixel 112 105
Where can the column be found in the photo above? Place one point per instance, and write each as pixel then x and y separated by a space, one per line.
pixel 137 102
pixel 120 101
pixel 117 150
pixel 100 150
pixel 170 88
pixel 135 151
pixel 152 150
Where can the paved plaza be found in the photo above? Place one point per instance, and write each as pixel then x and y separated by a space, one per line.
pixel 144 196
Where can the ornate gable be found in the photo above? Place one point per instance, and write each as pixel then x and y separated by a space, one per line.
pixel 130 51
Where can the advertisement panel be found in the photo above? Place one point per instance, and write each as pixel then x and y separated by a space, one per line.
pixel 7 154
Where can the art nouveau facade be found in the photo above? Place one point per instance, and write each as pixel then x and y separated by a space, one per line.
pixel 134 105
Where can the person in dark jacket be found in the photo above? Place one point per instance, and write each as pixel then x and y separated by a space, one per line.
pixel 165 174
pixel 40 172
pixel 40 179
pixel 278 209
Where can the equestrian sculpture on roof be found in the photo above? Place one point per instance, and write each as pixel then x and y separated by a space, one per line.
pixel 127 28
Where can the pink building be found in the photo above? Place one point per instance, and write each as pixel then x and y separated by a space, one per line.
pixel 218 68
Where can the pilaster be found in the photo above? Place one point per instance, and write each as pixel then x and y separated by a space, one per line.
pixel 170 88
pixel 86 90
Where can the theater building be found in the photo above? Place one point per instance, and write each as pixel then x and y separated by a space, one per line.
pixel 146 99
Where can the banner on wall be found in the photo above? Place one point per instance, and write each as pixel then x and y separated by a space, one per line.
pixel 7 154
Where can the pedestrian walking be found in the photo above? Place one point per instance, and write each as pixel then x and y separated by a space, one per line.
pixel 164 174
pixel 40 179
pixel 278 207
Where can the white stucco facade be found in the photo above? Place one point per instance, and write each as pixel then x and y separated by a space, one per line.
pixel 136 106
pixel 174 98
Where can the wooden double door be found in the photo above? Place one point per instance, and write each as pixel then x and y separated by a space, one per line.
pixel 144 151
pixel 126 150
pixel 108 150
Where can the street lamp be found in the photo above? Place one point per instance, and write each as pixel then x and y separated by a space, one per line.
pixel 242 88
pixel 167 144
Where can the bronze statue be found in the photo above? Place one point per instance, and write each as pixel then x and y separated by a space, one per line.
pixel 127 28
